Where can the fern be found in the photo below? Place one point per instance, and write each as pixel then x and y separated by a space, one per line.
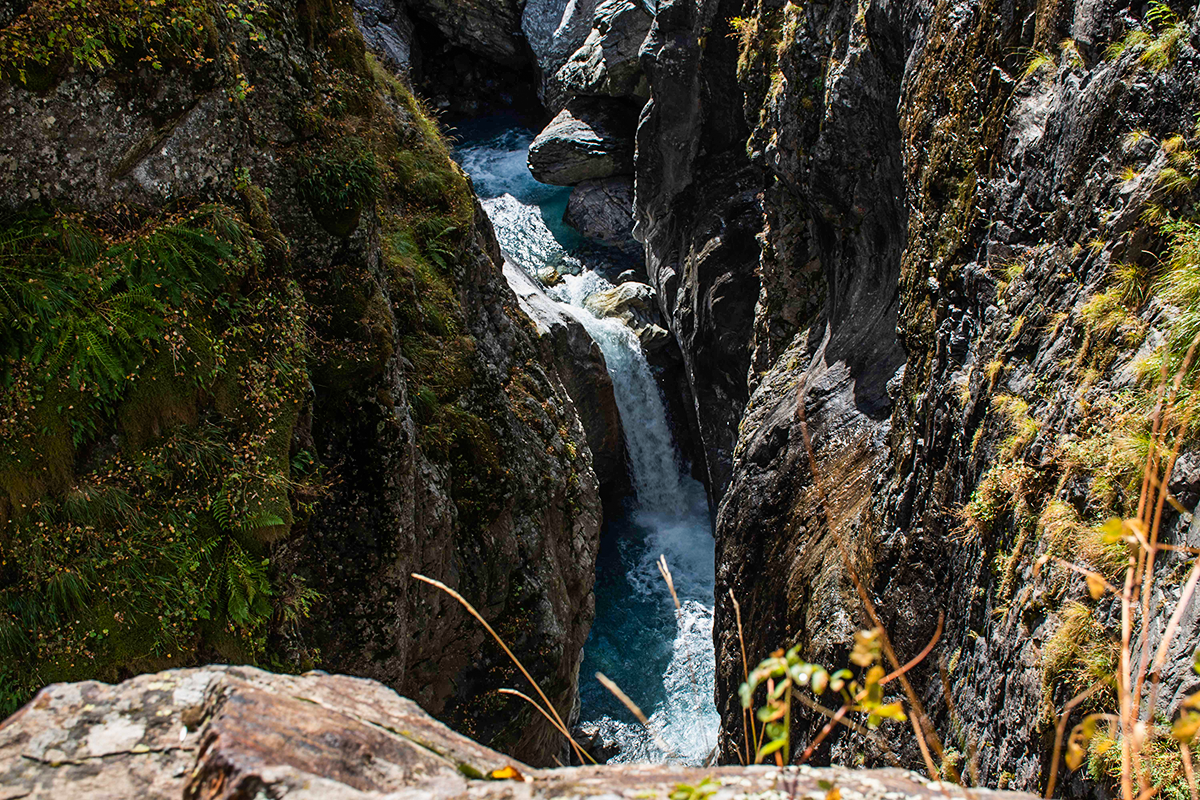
pixel 248 587
pixel 1160 45
pixel 78 310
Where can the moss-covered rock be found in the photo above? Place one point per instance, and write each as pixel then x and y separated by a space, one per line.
pixel 317 381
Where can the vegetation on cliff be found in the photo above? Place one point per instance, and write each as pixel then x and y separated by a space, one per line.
pixel 157 363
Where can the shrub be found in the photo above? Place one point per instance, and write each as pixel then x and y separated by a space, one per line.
pixel 1158 46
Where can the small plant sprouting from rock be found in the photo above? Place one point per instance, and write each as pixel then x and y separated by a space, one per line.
pixel 1133 673
pixel 784 674
pixel 1159 46
pixel 338 185
pixel 705 789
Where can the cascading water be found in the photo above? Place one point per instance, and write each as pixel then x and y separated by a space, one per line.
pixel 661 657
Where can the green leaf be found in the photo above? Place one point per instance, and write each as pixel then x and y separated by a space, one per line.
pixel 771 747
pixel 1112 531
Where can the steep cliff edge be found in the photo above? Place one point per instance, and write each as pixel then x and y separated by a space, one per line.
pixel 966 226
pixel 259 364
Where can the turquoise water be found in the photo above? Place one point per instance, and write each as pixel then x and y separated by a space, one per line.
pixel 662 657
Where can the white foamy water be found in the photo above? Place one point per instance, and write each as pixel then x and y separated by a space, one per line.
pixel 662 658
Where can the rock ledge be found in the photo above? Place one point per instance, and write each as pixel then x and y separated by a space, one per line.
pixel 219 733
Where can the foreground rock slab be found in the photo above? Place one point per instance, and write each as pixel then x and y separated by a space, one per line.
pixel 220 733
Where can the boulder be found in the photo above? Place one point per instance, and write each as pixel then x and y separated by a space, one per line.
pixel 607 62
pixel 220 733
pixel 603 210
pixel 634 304
pixel 591 138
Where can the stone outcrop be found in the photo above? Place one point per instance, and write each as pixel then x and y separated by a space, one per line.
pixel 603 210
pixel 577 358
pixel 230 732
pixel 591 138
pixel 633 304
pixel 388 31
pixel 607 63
pixel 555 29
pixel 423 430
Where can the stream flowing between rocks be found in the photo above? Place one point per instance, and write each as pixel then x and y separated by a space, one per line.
pixel 662 658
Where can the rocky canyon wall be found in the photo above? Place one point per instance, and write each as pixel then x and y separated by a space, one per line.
pixel 260 363
pixel 953 224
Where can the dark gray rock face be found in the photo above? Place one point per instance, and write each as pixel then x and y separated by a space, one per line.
pixel 591 138
pixel 698 213
pixel 900 255
pixel 834 225
pixel 607 62
pixel 603 210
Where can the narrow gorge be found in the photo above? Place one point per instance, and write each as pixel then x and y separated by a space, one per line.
pixel 846 336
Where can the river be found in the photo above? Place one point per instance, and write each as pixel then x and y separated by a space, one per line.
pixel 661 657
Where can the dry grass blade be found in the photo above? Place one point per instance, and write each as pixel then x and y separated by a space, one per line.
pixel 837 717
pixel 929 765
pixel 1061 729
pixel 937 634
pixel 1158 484
pixel 1168 636
pixel 471 609
pixel 545 714
pixel 918 709
pixel 1089 574
pixel 747 728
pixel 825 711
pixel 611 685
pixel 1185 755
pixel 956 718
pixel 665 571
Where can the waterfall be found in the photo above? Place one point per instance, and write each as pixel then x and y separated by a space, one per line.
pixel 661 657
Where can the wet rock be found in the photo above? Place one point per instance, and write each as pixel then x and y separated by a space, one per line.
pixel 589 139
pixel 221 733
pixel 607 63
pixel 603 210
pixel 633 304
